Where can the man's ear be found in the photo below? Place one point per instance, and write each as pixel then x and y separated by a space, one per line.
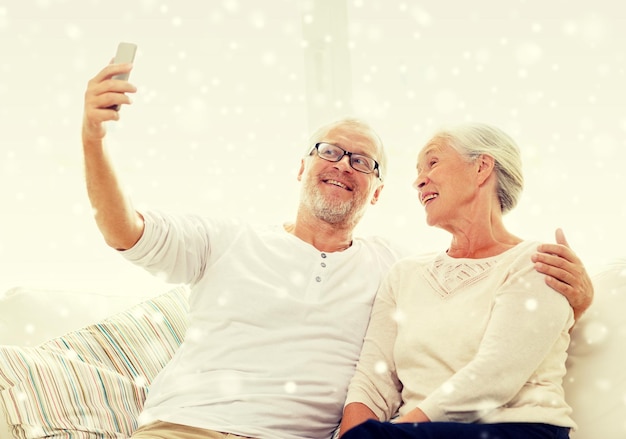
pixel 486 166
pixel 377 194
pixel 301 171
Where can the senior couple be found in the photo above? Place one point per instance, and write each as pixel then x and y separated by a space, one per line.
pixel 469 343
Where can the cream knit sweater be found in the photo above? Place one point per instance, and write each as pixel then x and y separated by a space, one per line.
pixel 467 340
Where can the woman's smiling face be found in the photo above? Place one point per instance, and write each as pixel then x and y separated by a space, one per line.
pixel 445 182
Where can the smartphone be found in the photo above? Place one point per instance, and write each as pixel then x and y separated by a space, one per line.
pixel 125 54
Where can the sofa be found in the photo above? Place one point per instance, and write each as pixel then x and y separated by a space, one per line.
pixel 80 366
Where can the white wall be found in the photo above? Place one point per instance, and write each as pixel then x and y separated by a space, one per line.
pixel 225 103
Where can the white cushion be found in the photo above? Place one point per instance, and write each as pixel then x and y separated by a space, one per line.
pixel 595 385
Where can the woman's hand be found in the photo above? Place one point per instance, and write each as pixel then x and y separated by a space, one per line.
pixel 414 416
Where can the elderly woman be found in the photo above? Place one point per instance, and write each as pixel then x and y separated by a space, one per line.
pixel 470 343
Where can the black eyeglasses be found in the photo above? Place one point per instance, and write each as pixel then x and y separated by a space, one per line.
pixel 358 162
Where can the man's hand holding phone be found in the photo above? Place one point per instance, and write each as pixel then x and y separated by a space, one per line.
pixel 107 91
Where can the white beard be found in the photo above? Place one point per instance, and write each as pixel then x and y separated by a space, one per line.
pixel 335 212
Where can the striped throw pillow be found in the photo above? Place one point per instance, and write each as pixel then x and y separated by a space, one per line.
pixel 91 383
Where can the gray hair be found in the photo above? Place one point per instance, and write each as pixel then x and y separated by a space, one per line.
pixel 473 139
pixel 359 126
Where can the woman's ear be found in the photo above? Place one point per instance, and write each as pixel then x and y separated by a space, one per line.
pixel 486 166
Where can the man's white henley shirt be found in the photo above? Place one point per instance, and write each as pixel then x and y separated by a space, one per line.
pixel 275 326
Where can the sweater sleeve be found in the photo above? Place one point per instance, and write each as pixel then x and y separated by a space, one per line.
pixel 527 320
pixel 375 382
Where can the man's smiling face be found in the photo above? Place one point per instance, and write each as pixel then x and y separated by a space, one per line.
pixel 333 191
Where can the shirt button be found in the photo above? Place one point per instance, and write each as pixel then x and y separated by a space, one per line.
pixel 323 255
pixel 323 264
pixel 318 279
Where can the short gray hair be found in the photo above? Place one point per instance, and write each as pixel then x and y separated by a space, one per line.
pixel 357 125
pixel 473 139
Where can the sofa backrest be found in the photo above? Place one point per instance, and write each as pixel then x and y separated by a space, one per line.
pixel 595 384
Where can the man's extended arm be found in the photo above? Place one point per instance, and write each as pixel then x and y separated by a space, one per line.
pixel 115 216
